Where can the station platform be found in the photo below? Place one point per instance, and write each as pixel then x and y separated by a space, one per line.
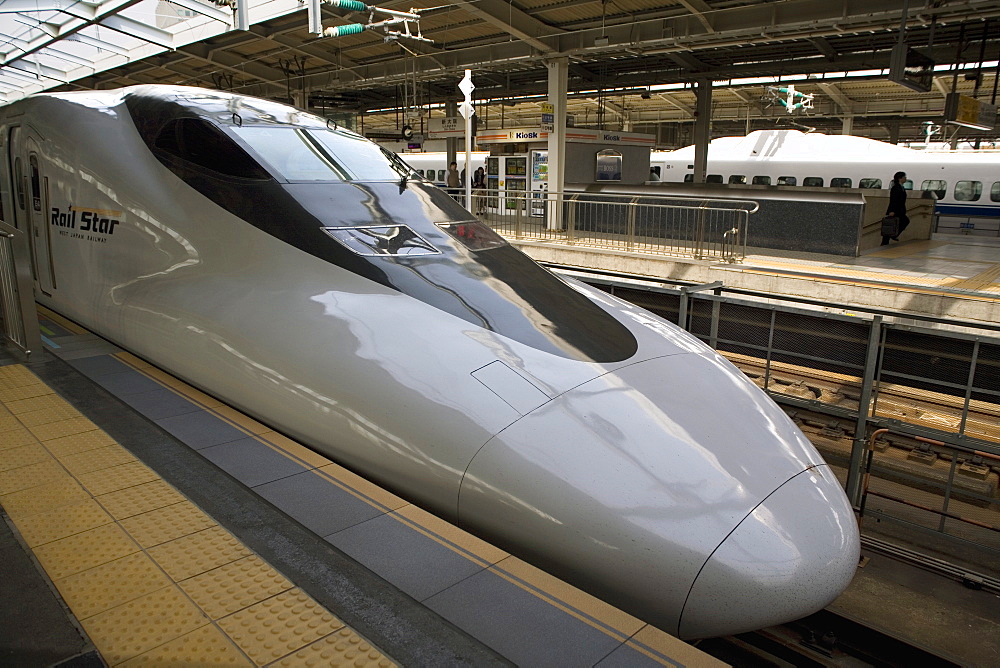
pixel 948 276
pixel 148 524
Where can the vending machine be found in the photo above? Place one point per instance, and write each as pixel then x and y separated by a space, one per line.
pixel 539 184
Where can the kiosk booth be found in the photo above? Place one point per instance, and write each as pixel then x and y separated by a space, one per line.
pixel 518 162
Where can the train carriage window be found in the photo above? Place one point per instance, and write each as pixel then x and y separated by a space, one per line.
pixel 968 191
pixel 841 182
pixel 813 181
pixel 689 178
pixel 995 192
pixel 738 179
pixel 714 178
pixel 936 186
pixel 199 142
pixel 908 184
pixel 787 180
pixel 870 183
pixel 761 181
pixel 441 176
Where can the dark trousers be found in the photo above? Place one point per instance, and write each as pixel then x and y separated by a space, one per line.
pixel 903 222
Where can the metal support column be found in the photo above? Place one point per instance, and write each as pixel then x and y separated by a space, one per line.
pixel 855 470
pixel 702 128
pixel 558 83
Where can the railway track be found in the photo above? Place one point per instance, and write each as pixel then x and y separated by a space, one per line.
pixel 824 639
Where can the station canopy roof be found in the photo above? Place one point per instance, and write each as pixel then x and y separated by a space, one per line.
pixel 641 48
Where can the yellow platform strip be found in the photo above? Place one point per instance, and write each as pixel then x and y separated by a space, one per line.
pixel 153 580
pixel 649 640
pixel 979 281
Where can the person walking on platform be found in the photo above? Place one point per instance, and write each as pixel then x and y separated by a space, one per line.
pixel 897 207
pixel 454 180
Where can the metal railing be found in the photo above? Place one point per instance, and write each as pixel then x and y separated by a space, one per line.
pixel 932 395
pixel 17 299
pixel 678 226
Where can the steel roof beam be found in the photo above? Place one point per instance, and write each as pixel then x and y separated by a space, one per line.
pixel 506 17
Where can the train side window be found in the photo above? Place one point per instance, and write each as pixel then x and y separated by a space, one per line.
pixel 908 184
pixel 787 180
pixel 813 181
pixel 441 175
pixel 761 180
pixel 713 178
pixel 200 142
pixel 738 179
pixel 936 186
pixel 841 182
pixel 689 178
pixel 870 183
pixel 995 192
pixel 968 191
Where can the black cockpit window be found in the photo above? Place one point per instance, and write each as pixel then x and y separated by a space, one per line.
pixel 314 154
pixel 198 141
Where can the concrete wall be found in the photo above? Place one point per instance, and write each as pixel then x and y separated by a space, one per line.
pixel 581 163
pixel 837 221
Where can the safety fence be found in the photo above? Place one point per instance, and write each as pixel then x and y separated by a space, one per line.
pixel 713 229
pixel 17 301
pixel 907 415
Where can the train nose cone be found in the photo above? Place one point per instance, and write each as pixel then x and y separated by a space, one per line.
pixel 779 563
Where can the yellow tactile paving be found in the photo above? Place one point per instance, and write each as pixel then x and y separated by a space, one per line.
pixel 205 647
pixel 234 586
pixel 191 555
pixel 25 455
pixel 47 432
pixel 96 459
pixel 7 423
pixel 278 626
pixel 45 401
pixel 140 499
pixel 168 523
pixel 48 415
pixel 33 475
pixel 15 438
pixel 111 584
pixel 42 499
pixel 62 522
pixel 66 446
pixel 118 477
pixel 24 392
pixel 84 550
pixel 143 623
pixel 343 648
pixel 141 566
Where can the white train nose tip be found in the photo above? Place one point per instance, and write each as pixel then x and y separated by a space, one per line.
pixel 794 554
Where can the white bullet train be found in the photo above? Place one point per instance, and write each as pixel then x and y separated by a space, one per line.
pixel 301 273
pixel 966 184
pixel 433 165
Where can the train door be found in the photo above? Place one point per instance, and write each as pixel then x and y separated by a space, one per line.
pixel 35 197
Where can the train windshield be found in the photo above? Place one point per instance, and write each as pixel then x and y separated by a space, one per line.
pixel 311 154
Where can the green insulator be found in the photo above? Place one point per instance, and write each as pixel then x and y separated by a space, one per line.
pixel 341 31
pixel 351 5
